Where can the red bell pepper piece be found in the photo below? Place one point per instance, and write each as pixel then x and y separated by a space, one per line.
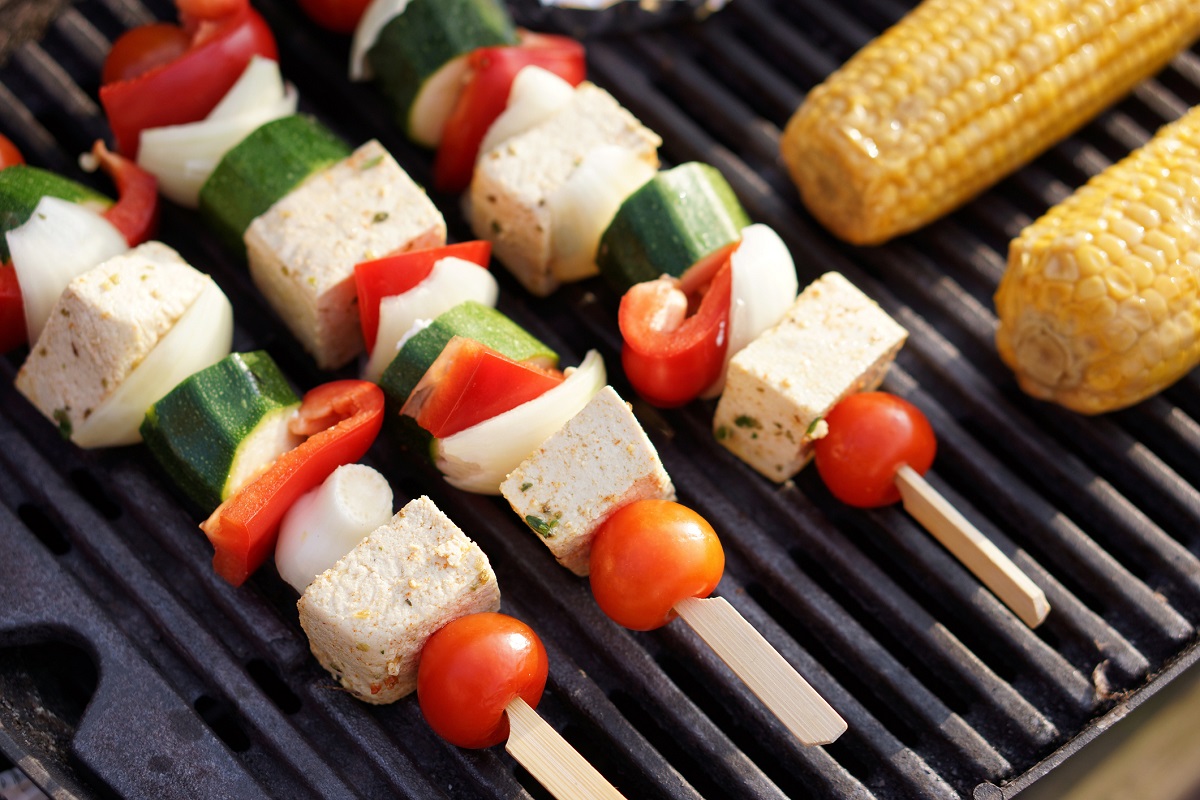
pixel 135 214
pixel 485 95
pixel 12 310
pixel 341 419
pixel 9 154
pixel 397 274
pixel 189 87
pixel 670 362
pixel 470 382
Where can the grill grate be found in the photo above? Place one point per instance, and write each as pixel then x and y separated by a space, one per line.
pixel 201 690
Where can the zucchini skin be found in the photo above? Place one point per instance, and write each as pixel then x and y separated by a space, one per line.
pixel 22 186
pixel 195 430
pixel 262 168
pixel 675 219
pixel 414 45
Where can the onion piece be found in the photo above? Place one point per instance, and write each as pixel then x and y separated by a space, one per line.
pixel 452 281
pixel 536 95
pixel 435 102
pixel 183 156
pixel 201 337
pixel 327 522
pixel 582 208
pixel 59 241
pixel 763 289
pixel 479 458
pixel 377 15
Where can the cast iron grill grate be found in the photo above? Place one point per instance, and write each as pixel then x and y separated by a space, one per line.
pixel 202 690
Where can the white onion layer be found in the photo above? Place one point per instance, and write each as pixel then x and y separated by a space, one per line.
pixel 377 15
pixel 764 286
pixel 59 241
pixel 435 102
pixel 452 281
pixel 199 339
pixel 536 94
pixel 582 208
pixel 182 157
pixel 479 458
pixel 326 523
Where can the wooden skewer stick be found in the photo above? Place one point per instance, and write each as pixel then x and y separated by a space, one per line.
pixel 772 679
pixel 550 759
pixel 977 553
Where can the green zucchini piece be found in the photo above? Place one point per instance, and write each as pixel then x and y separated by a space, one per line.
pixel 221 426
pixel 674 220
pixel 261 169
pixel 22 186
pixel 472 320
pixel 417 45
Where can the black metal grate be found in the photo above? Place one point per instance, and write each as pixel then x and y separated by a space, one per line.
pixel 204 691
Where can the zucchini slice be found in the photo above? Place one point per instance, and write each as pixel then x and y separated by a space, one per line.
pixel 221 427
pixel 675 219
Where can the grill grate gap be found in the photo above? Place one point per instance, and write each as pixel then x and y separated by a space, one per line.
pixel 44 528
pixel 95 493
pixel 223 722
pixel 273 686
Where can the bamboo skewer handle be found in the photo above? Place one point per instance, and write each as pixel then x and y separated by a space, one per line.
pixel 550 759
pixel 977 553
pixel 772 679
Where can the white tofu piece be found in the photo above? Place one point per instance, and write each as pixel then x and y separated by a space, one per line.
pixel 104 324
pixel 303 250
pixel 368 616
pixel 833 341
pixel 598 462
pixel 513 181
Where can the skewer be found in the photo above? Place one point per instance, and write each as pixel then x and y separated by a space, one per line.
pixel 760 666
pixel 551 759
pixel 977 553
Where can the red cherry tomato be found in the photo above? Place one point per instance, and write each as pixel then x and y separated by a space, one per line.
pixel 10 156
pixel 139 50
pixel 471 669
pixel 339 16
pixel 871 435
pixel 670 365
pixel 647 556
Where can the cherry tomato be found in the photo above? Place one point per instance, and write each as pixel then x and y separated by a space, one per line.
pixel 471 669
pixel 647 556
pixel 339 16
pixel 871 435
pixel 9 154
pixel 670 361
pixel 139 50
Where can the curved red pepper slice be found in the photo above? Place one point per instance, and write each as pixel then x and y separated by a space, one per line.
pixel 397 274
pixel 492 70
pixel 670 364
pixel 135 214
pixel 189 87
pixel 341 419
pixel 12 310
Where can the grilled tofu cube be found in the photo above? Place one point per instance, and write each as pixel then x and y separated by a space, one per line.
pixel 512 183
pixel 303 250
pixel 368 617
pixel 103 326
pixel 833 341
pixel 599 461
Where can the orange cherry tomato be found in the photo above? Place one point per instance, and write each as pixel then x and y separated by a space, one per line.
pixel 871 435
pixel 339 16
pixel 471 669
pixel 647 556
pixel 139 50
pixel 10 156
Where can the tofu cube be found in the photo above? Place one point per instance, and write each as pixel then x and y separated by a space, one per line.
pixel 513 182
pixel 596 463
pixel 368 616
pixel 303 250
pixel 833 341
pixel 104 324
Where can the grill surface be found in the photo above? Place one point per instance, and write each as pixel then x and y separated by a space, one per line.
pixel 199 690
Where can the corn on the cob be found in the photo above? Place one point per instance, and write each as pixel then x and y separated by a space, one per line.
pixel 1100 305
pixel 960 93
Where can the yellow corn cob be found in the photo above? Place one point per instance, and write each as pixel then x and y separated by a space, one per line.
pixel 1100 305
pixel 960 93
